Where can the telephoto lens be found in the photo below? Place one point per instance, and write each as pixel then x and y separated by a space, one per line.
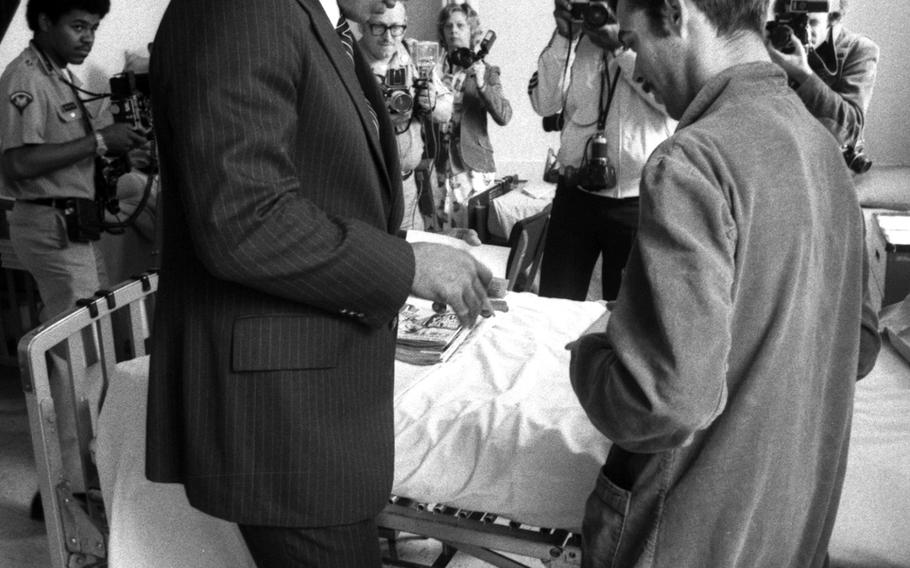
pixel 597 15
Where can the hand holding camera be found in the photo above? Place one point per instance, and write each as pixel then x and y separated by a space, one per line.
pixel 120 138
pixel 564 20
pixel 479 71
pixel 795 61
pixel 426 94
pixel 594 14
pixel 791 22
pixel 464 57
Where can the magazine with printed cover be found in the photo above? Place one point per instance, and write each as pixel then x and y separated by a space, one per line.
pixel 426 337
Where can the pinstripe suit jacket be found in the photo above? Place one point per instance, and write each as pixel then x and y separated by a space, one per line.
pixel 270 394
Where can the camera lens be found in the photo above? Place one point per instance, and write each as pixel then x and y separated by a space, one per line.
pixel 553 123
pixel 599 149
pixel 400 102
pixel 597 15
pixel 860 164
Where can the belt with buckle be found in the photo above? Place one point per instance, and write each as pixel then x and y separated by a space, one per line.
pixel 59 203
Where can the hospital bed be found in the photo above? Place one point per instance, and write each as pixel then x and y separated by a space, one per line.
pixel 490 447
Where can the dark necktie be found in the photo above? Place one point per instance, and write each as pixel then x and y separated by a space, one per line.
pixel 347 39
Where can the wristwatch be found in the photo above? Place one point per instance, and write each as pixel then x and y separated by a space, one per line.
pixel 100 146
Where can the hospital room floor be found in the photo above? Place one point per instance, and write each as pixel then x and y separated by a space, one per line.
pixel 23 542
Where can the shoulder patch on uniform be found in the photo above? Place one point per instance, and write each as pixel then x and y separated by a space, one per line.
pixel 20 100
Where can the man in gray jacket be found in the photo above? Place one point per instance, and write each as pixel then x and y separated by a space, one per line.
pixel 726 374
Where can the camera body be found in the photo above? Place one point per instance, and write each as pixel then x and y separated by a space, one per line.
pixel 130 104
pixel 594 13
pixel 464 57
pixel 396 91
pixel 791 20
pixel 130 99
pixel 596 172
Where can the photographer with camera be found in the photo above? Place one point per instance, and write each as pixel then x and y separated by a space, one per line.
pixel 413 96
pixel 585 87
pixel 465 163
pixel 50 140
pixel 831 69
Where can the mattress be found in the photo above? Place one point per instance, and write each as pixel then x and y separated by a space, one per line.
pixel 497 429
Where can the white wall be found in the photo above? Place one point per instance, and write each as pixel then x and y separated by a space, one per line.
pixel 522 30
pixel 129 26
pixel 523 27
pixel 888 119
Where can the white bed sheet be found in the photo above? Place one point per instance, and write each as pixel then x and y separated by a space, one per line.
pixel 497 429
pixel 518 204
pixel 874 515
pixel 487 430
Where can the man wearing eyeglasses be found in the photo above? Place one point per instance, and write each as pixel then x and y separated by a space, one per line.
pixel 409 99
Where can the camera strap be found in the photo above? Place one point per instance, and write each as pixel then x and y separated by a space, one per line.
pixel 610 90
pixel 567 68
pixel 74 89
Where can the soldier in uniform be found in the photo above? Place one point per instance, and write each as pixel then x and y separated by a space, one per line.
pixel 49 140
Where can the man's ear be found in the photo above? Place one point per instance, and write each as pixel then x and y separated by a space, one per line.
pixel 44 23
pixel 675 12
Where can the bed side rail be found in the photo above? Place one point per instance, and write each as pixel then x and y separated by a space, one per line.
pixel 66 365
pixel 482 535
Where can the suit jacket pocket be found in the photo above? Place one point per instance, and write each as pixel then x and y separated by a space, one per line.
pixel 288 342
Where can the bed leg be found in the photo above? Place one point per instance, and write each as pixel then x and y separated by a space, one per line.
pixel 445 556
pixel 391 538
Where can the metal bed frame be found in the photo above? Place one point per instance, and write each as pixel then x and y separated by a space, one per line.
pixel 114 326
pixel 83 338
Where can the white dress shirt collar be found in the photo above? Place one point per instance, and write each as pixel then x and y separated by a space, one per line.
pixel 331 10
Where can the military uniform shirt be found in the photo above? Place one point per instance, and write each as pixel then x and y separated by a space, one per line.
pixel 38 107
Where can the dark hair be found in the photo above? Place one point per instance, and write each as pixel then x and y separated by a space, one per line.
pixel 470 15
pixel 730 17
pixel 54 9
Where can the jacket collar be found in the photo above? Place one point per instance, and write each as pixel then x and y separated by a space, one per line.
pixel 744 80
pixel 325 33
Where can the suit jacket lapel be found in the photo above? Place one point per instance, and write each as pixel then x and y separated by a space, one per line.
pixel 327 36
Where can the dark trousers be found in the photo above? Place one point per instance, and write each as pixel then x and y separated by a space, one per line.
pixel 582 227
pixel 343 546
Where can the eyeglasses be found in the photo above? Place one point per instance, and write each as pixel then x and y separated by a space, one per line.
pixel 380 29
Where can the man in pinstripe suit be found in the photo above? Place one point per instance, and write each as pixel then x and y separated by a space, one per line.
pixel 270 395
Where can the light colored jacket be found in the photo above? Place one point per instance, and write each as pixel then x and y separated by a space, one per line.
pixel 635 125
pixel 840 101
pixel 726 375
